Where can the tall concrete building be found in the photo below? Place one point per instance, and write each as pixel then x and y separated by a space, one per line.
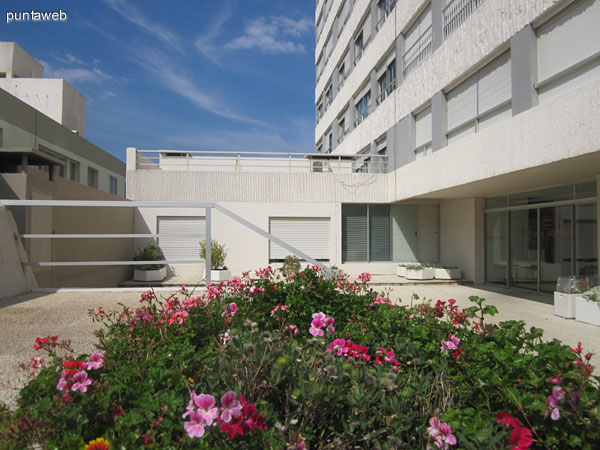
pixel 489 114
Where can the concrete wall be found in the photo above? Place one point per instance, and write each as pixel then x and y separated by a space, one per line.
pixel 428 233
pixel 14 277
pixel 462 236
pixel 72 221
pixel 24 126
pixel 16 62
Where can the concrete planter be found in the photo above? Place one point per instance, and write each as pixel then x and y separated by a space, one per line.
pixel 401 271
pixel 420 274
pixel 150 275
pixel 220 275
pixel 446 274
pixel 587 311
pixel 564 305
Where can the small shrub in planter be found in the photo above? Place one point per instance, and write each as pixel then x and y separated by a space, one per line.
pixel 446 272
pixel 419 272
pixel 568 288
pixel 401 270
pixel 218 254
pixel 588 306
pixel 149 272
pixel 307 362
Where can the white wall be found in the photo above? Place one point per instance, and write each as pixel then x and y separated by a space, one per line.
pixel 428 233
pixel 462 236
pixel 16 62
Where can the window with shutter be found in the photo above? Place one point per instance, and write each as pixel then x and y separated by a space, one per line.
pixel 423 133
pixel 185 234
pixel 354 233
pixel 310 235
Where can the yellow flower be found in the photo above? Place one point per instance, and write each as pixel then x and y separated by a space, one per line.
pixel 191 380
pixel 98 444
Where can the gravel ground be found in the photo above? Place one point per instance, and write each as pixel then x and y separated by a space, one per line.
pixel 64 313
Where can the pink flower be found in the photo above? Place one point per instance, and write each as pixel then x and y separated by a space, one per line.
pixel 315 331
pixel 81 381
pixel 321 320
pixel 178 317
pixel 364 277
pixel 195 427
pixel 225 337
pixel 292 329
pixel 451 344
pixel 96 361
pixel 280 307
pixel 231 408
pixel 230 310
pixel 62 383
pixel 441 433
pixel 552 402
pixel 205 404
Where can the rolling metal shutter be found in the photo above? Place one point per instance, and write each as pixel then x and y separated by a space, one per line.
pixel 494 85
pixel 379 233
pixel 569 38
pixel 366 28
pixel 423 127
pixel 354 233
pixel 189 231
pixel 404 233
pixel 461 103
pixel 310 235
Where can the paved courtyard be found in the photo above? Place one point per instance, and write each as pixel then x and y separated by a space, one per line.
pixel 65 313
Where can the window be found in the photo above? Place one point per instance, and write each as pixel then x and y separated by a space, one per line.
pixel 423 132
pixel 92 177
pixel 341 75
pixel 112 185
pixel 455 12
pixel 358 47
pixel 319 111
pixel 362 38
pixel 344 14
pixel 320 66
pixel 568 49
pixel 418 42
pixel 328 96
pixel 310 235
pixel 74 171
pixel 386 78
pixel 183 236
pixel 362 107
pixel 481 100
pixel 384 8
pixel 341 129
pixel 330 142
pixel 328 48
pixel 366 233
pixel 1 137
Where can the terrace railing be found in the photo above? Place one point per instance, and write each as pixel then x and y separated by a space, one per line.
pixel 208 208
pixel 418 52
pixel 457 12
pixel 226 161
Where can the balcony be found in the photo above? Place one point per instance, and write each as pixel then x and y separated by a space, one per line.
pixel 418 52
pixel 457 12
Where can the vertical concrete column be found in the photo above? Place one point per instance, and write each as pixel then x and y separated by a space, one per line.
pixel 351 114
pixel 131 156
pixel 523 60
pixel 374 93
pixel 479 236
pixel 437 24
pixel 403 145
pixel 439 121
pixel 334 83
pixel 399 59
pixel 335 133
pixel 390 140
pixel 373 18
pixel 24 162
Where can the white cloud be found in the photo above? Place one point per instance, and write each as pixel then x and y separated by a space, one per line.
pixel 204 42
pixel 135 16
pixel 76 74
pixel 268 35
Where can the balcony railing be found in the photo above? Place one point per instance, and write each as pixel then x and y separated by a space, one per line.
pixel 457 12
pixel 418 52
pixel 222 161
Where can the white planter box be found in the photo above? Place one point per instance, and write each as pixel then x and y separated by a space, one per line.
pixel 422 274
pixel 587 311
pixel 150 275
pixel 564 305
pixel 220 275
pixel 401 271
pixel 446 274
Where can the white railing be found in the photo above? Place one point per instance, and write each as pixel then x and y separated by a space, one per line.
pixel 224 161
pixel 418 52
pixel 208 207
pixel 457 12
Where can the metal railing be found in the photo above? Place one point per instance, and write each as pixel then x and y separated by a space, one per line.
pixel 208 207
pixel 418 52
pixel 225 161
pixel 457 12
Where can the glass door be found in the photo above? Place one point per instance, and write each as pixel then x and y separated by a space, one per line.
pixel 496 251
pixel 524 248
pixel 555 245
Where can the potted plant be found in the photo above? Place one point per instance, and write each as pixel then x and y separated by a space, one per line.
pixel 567 290
pixel 218 253
pixel 446 272
pixel 587 306
pixel 419 272
pixel 149 272
pixel 401 270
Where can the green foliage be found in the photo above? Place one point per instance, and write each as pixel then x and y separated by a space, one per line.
pixel 149 253
pixel 218 254
pixel 152 362
pixel 291 266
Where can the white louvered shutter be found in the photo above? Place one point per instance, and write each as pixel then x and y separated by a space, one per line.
pixel 310 235
pixel 354 233
pixel 188 232
pixel 569 38
pixel 366 27
pixel 344 12
pixel 328 47
pixel 461 103
pixel 423 126
pixel 425 20
pixel 495 85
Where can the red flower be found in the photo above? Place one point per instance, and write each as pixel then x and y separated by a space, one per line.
pixel 520 438
pixel 506 420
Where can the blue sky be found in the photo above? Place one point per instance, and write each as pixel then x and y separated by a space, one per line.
pixel 199 75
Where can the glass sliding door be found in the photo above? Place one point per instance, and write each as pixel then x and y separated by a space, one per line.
pixel 555 245
pixel 496 251
pixel 524 248
pixel 586 239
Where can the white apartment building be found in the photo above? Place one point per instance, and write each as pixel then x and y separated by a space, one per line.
pixel 460 132
pixel 47 116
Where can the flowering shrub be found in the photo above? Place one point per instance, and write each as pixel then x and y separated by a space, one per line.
pixel 293 360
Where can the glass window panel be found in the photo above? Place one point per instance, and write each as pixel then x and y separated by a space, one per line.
pixel 523 248
pixel 585 190
pixel 542 196
pixel 555 245
pixel 496 202
pixel 495 248
pixel 586 239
